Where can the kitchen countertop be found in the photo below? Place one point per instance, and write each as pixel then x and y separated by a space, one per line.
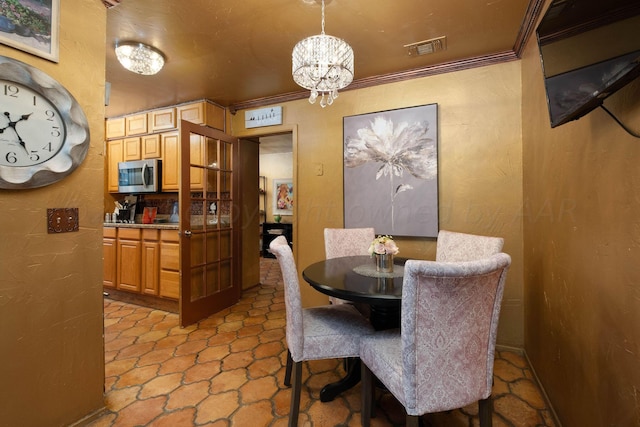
pixel 158 226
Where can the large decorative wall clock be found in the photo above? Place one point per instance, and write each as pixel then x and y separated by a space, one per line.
pixel 44 134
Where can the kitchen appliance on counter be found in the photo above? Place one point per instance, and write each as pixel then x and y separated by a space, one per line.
pixel 140 176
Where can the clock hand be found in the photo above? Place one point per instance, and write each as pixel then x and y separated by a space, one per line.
pixel 13 126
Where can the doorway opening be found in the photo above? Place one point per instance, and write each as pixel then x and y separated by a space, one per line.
pixel 277 193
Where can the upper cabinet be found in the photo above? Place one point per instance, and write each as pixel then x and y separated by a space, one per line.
pixel 161 120
pixel 203 113
pixel 136 124
pixel 115 128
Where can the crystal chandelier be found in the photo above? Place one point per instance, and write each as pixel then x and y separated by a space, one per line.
pixel 323 64
pixel 139 58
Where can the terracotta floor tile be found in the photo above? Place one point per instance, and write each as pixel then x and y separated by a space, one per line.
pixel 202 371
pixel 156 356
pixel 182 417
pixel 263 367
pixel 255 390
pixel 228 371
pixel 191 347
pixel 231 380
pixel 237 360
pixel 172 341
pixel 118 399
pixel 140 412
pixel 258 414
pixel 135 350
pixel 137 376
pixel 217 407
pixel 517 411
pixel 118 367
pixel 177 364
pixel 217 352
pixel 161 385
pixel 244 344
pixel 188 395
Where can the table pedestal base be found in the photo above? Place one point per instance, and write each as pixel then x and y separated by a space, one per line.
pixel 330 391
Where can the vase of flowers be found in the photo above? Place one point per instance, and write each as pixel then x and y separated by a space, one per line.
pixel 383 248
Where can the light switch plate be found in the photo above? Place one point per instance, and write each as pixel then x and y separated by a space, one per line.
pixel 269 116
pixel 62 220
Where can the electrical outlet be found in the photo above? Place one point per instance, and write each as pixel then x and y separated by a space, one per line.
pixel 318 167
pixel 62 220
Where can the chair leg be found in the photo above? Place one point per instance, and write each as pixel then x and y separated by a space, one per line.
pixel 367 395
pixel 295 394
pixel 485 410
pixel 413 421
pixel 287 371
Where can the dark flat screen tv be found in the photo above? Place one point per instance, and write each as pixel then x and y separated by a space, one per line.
pixel 589 50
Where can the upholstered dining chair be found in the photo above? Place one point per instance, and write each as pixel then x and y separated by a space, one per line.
pixel 339 242
pixel 326 332
pixel 442 356
pixel 453 246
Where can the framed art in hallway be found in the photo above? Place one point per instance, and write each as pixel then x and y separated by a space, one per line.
pixel 283 196
pixel 391 171
pixel 31 26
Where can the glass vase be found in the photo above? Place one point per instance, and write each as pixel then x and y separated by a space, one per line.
pixel 384 263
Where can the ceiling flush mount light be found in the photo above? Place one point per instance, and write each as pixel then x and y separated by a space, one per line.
pixel 323 64
pixel 139 58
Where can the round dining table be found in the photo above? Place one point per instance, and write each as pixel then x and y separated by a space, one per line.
pixel 355 279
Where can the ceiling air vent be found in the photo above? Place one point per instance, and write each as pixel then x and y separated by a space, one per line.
pixel 426 47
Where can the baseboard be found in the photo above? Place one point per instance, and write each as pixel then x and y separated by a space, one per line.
pixel 542 390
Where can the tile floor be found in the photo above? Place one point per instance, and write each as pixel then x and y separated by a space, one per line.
pixel 228 371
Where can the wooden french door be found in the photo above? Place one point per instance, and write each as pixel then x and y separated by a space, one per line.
pixel 210 257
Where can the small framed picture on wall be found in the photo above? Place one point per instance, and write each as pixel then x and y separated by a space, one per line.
pixel 283 196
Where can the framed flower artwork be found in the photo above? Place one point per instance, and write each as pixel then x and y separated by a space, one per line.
pixel 283 196
pixel 391 171
pixel 31 26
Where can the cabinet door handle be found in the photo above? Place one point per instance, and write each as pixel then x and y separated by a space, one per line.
pixel 187 233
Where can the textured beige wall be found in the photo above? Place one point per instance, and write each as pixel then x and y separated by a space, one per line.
pixel 52 358
pixel 480 172
pixel 582 246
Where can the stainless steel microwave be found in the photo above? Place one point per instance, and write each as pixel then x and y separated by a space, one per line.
pixel 140 176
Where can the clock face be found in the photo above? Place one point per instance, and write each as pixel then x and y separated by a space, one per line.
pixel 31 128
pixel 44 134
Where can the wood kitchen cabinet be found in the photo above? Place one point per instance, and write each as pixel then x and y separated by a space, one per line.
pixel 115 128
pixel 109 251
pixel 171 161
pixel 129 257
pixel 169 264
pixel 162 120
pixel 150 261
pixel 151 146
pixel 203 113
pixel 170 142
pixel 131 149
pixel 115 153
pixel 136 124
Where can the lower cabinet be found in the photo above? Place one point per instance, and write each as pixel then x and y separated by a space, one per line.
pixel 169 264
pixel 128 259
pixel 142 261
pixel 150 261
pixel 109 251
